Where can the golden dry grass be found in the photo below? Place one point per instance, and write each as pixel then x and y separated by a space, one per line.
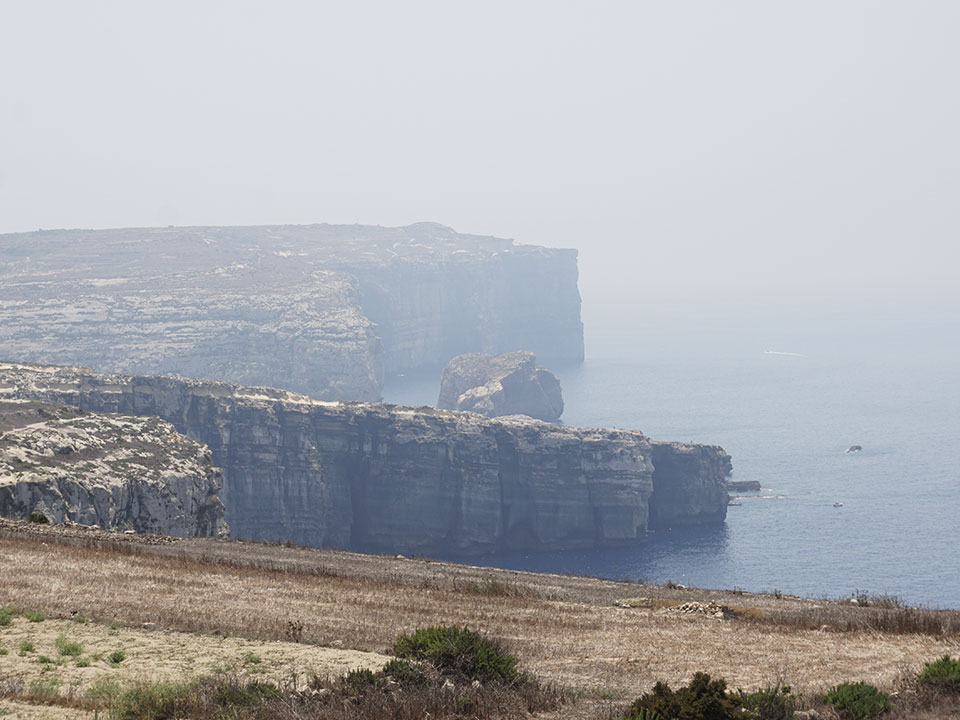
pixel 565 629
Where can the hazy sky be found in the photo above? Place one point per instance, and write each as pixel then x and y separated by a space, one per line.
pixel 717 158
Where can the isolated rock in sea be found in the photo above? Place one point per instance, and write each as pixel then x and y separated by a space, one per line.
pixel 743 485
pixel 118 472
pixel 378 477
pixel 497 385
pixel 326 310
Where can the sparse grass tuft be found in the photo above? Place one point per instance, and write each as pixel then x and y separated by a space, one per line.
pixel 34 616
pixel 68 648
pixel 26 647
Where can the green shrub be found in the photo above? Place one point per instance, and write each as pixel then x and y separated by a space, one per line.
pixel 944 672
pixel 769 703
pixel 116 657
pixel 34 616
pixel 3 650
pixel 68 647
pixel 45 660
pixel 858 701
pixel 459 652
pixel 25 647
pixel 82 662
pixel 702 699
pixel 5 618
pixel 359 681
pixel 405 673
pixel 38 519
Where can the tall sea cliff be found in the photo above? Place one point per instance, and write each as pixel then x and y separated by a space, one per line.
pixel 380 477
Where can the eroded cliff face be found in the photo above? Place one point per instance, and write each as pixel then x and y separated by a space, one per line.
pixel 321 309
pixel 688 484
pixel 118 472
pixel 379 477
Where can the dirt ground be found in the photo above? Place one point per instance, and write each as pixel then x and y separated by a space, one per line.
pixel 211 605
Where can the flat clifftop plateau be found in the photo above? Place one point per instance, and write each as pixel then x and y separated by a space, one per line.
pixel 495 385
pixel 59 463
pixel 325 310
pixel 380 477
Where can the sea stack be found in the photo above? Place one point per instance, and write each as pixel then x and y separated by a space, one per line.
pixel 497 385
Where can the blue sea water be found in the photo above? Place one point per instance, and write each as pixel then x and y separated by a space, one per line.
pixel 786 420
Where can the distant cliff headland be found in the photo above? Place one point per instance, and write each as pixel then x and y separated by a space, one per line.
pixel 325 310
pixel 381 477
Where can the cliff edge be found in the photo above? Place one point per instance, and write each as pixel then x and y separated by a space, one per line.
pixel 368 476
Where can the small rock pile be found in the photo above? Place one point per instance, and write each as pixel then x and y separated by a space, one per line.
pixel 710 609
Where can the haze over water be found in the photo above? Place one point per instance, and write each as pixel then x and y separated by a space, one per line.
pixel 787 420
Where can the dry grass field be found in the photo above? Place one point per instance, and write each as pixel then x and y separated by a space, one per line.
pixel 191 606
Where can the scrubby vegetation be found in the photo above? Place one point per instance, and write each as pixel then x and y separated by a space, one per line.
pixel 459 653
pixel 702 699
pixel 858 701
pixel 944 673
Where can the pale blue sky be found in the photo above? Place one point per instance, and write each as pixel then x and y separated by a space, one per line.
pixel 709 159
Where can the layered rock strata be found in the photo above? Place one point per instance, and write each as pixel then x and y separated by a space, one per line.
pixel 378 477
pixel 689 487
pixel 325 310
pixel 59 463
pixel 496 385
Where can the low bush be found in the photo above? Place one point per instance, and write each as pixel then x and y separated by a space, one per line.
pixel 116 657
pixel 34 616
pixel 5 618
pixel 460 653
pixel 944 673
pixel 359 681
pixel 26 647
pixel 405 673
pixel 702 699
pixel 769 703
pixel 858 701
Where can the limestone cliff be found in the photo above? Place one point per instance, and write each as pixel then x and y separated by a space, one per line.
pixel 114 471
pixel 688 484
pixel 379 477
pixel 495 385
pixel 320 309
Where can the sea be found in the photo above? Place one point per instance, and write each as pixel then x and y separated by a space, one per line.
pixel 827 523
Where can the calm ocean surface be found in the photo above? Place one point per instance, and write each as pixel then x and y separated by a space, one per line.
pixel 786 420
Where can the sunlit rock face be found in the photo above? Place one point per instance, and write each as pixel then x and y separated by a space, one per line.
pixel 325 310
pixel 496 385
pixel 59 463
pixel 369 476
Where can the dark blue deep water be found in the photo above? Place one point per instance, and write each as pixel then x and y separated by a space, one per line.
pixel 787 420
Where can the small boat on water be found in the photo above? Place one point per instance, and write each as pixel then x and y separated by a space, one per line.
pixel 838 504
pixel 734 504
